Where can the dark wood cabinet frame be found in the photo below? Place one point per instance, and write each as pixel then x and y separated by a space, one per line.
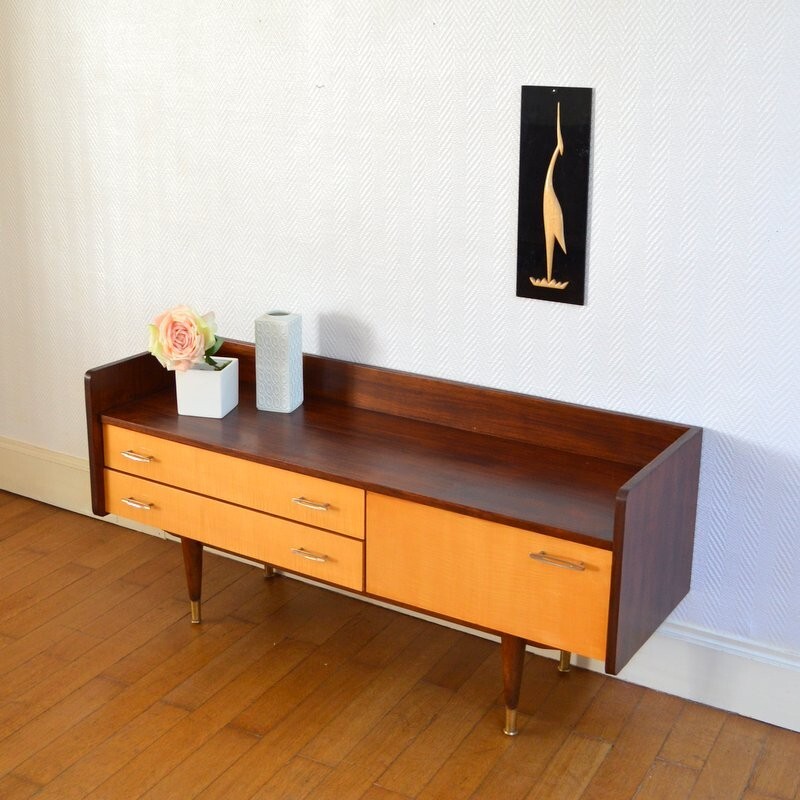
pixel 615 481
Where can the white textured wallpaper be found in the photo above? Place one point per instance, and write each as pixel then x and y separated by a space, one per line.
pixel 357 163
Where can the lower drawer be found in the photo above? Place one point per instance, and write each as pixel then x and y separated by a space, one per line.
pixel 290 545
pixel 482 573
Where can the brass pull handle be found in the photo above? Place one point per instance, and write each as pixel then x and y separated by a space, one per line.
pixel 557 561
pixel 309 556
pixel 133 503
pixel 134 456
pixel 302 501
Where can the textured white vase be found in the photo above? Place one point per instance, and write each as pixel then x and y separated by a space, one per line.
pixel 203 391
pixel 279 361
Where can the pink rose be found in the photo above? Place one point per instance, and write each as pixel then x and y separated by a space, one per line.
pixel 180 337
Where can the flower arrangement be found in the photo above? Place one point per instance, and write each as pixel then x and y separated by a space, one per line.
pixel 181 338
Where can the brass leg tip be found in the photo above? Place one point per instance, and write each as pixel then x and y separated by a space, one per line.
pixel 510 728
pixel 195 606
pixel 564 661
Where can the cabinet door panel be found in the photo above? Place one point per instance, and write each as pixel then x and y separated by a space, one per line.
pixel 483 573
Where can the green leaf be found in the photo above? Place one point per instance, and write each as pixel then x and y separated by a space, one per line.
pixel 214 347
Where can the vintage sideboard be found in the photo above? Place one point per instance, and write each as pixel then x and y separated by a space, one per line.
pixel 561 525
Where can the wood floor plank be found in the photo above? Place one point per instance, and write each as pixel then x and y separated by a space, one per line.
pixel 258 644
pixel 203 766
pixel 36 669
pixel 544 732
pixel 112 754
pixel 777 772
pixel 571 695
pixel 413 769
pixel 306 704
pixel 112 547
pixel 71 600
pixel 66 748
pixel 46 531
pixel 369 759
pixel 14 788
pixel 365 713
pixel 36 593
pixel 149 654
pixel 635 748
pixel 464 771
pixel 21 516
pixel 693 735
pixel 18 745
pixel 460 662
pixel 18 560
pixel 296 781
pixel 379 793
pixel 217 711
pixel 91 664
pixel 667 781
pixel 279 589
pixel 571 768
pixel 165 753
pixel 165 557
pixel 17 651
pixel 399 632
pixel 121 608
pixel 334 613
pixel 610 710
pixel 523 764
pixel 107 692
pixel 300 721
pixel 327 660
pixel 731 761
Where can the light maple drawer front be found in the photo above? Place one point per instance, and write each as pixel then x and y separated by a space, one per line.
pixel 303 498
pixel 482 572
pixel 282 543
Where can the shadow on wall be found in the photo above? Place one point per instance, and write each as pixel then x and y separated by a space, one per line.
pixel 746 546
pixel 345 337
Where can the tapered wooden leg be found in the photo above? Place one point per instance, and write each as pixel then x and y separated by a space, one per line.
pixel 564 660
pixel 512 649
pixel 193 563
pixel 269 571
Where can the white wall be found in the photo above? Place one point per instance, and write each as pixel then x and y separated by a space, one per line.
pixel 357 162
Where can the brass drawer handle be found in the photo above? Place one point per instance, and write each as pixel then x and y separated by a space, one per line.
pixel 302 501
pixel 134 456
pixel 557 561
pixel 307 554
pixel 133 503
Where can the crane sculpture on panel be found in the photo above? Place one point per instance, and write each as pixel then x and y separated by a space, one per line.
pixel 552 214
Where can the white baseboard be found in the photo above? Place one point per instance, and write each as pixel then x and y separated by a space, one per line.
pixel 722 671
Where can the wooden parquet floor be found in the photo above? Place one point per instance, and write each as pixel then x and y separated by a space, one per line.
pixel 290 691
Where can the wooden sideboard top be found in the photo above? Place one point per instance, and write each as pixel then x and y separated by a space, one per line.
pixel 498 455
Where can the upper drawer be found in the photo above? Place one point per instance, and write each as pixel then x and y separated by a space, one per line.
pixel 540 588
pixel 303 498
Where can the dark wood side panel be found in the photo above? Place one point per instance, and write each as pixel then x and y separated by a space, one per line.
pixel 108 386
pixel 562 426
pixel 653 544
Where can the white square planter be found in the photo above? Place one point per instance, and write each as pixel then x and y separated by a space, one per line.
pixel 203 391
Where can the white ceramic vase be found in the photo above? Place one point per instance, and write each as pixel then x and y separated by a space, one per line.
pixel 279 361
pixel 203 391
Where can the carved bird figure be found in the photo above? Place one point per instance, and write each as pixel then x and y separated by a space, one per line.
pixel 551 208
